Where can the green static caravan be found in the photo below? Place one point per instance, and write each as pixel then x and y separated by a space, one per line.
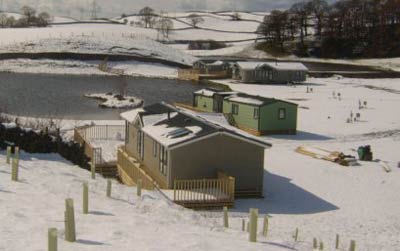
pixel 261 116
pixel 269 72
pixel 210 100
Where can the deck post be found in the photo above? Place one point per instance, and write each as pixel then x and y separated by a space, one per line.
pixel 109 185
pixel 8 154
pixel 85 198
pixel 253 225
pixel 226 222
pixel 93 169
pixel 52 239
pixel 70 233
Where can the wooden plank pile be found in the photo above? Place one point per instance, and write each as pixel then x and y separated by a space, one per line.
pixel 332 156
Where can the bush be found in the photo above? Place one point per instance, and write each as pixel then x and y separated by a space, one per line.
pixel 40 142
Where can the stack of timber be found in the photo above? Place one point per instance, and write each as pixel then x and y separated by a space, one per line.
pixel 319 153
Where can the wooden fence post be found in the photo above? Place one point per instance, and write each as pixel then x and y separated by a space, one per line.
pixel 8 154
pixel 139 187
pixel 296 235
pixel 253 225
pixel 85 198
pixel 16 152
pixel 315 243
pixel 352 245
pixel 265 226
pixel 226 222
pixel 93 170
pixel 14 170
pixel 70 234
pixel 109 185
pixel 337 241
pixel 52 239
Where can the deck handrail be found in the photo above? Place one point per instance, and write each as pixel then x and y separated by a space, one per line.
pixel 132 168
pixel 205 192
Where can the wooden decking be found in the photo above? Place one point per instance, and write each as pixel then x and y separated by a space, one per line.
pixel 83 135
pixel 195 193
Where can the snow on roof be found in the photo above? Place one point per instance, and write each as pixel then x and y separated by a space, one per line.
pixel 275 65
pixel 219 62
pixel 154 118
pixel 205 92
pixel 163 133
pixel 130 116
pixel 249 65
pixel 287 66
pixel 246 100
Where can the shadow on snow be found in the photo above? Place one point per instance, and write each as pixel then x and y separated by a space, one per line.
pixel 284 197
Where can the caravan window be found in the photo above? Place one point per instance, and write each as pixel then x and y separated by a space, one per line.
pixel 282 113
pixel 235 109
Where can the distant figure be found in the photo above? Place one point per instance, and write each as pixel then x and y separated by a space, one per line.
pixel 339 96
pixel 311 90
pixel 308 90
pixel 359 104
pixel 351 115
pixel 365 104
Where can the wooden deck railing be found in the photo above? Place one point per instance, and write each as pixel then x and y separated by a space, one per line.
pixel 205 193
pixel 102 132
pixel 94 153
pixel 131 168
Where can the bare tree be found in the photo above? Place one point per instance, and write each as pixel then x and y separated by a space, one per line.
pixel 274 27
pixel 29 13
pixel 3 20
pixel 147 16
pixel 195 19
pixel 164 26
pixel 319 9
pixel 43 19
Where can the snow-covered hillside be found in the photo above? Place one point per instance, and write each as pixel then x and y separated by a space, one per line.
pixel 123 222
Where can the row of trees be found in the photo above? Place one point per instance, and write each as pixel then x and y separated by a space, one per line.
pixel 29 18
pixel 346 28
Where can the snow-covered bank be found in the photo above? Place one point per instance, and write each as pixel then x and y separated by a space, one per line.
pixel 76 67
pixel 110 100
pixel 120 223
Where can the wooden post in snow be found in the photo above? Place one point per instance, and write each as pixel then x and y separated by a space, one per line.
pixel 315 243
pixel 352 245
pixel 226 222
pixel 52 239
pixel 85 203
pixel 253 225
pixel 337 243
pixel 243 225
pixel 139 187
pixel 296 235
pixel 265 226
pixel 8 154
pixel 70 233
pixel 14 170
pixel 93 170
pixel 109 185
pixel 16 153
